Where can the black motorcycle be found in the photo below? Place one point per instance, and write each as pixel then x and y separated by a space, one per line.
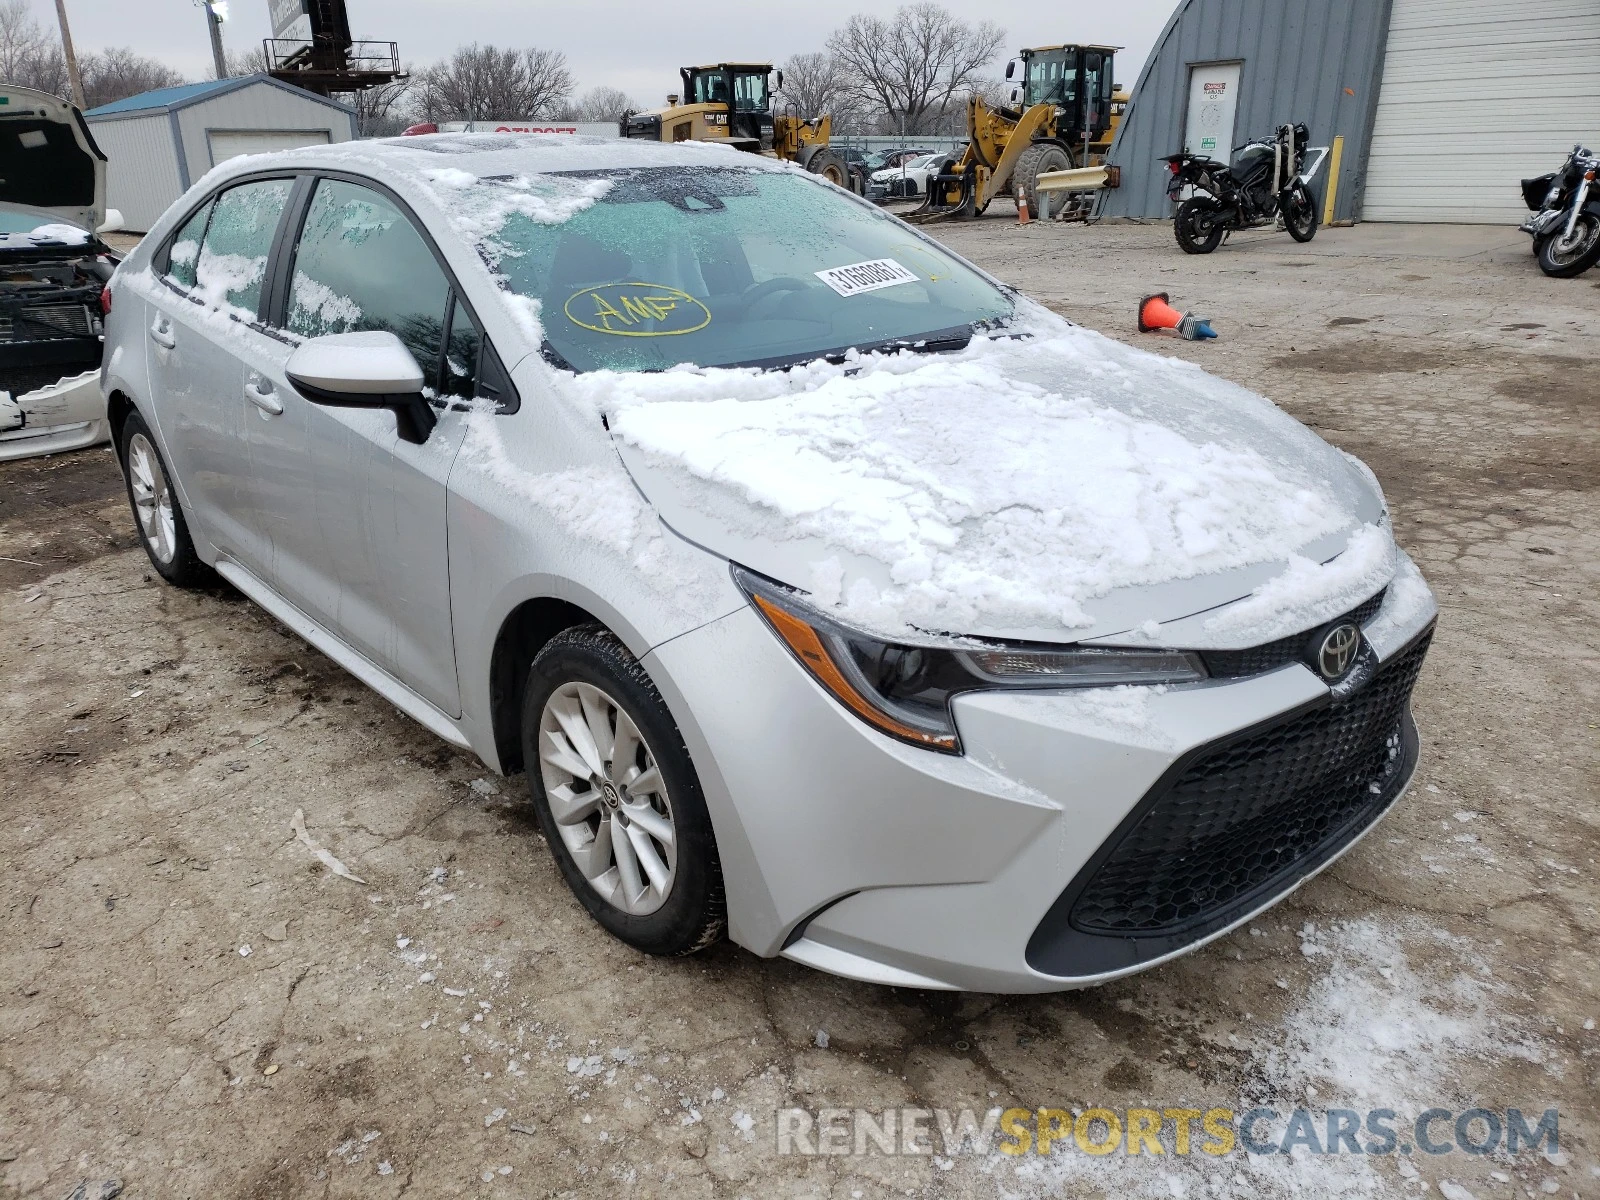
pixel 1265 181
pixel 1566 216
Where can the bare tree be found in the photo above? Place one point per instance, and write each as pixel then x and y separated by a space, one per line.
pixel 385 110
pixel 117 73
pixel 913 65
pixel 480 83
pixel 21 39
pixel 815 84
pixel 248 62
pixel 603 104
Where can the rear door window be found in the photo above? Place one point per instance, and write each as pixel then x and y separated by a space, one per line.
pixel 232 265
pixel 184 256
pixel 362 265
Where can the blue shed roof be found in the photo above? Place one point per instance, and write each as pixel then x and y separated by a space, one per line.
pixel 163 97
pixel 168 99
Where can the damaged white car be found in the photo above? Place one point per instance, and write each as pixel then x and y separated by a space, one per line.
pixel 827 590
pixel 53 272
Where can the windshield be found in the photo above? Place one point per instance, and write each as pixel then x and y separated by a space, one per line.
pixel 22 222
pixel 734 266
pixel 1052 78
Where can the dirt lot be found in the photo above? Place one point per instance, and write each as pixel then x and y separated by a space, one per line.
pixel 193 1005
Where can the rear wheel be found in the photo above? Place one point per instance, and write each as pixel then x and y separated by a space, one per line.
pixel 617 796
pixel 1040 159
pixel 1562 257
pixel 163 531
pixel 831 165
pixel 1300 214
pixel 1198 226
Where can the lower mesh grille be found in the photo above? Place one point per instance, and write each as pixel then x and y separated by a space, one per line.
pixel 1252 808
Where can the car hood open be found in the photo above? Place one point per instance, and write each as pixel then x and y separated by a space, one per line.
pixel 50 166
pixel 1060 487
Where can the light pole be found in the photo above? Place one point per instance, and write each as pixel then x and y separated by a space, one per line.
pixel 216 14
pixel 70 55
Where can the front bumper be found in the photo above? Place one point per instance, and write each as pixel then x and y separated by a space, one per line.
pixel 67 415
pixel 1030 863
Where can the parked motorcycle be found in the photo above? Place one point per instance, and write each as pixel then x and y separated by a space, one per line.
pixel 1566 216
pixel 1266 180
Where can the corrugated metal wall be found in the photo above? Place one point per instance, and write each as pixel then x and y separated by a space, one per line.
pixel 260 106
pixel 1317 61
pixel 142 176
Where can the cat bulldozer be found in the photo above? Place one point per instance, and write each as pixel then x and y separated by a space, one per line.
pixel 732 102
pixel 1063 114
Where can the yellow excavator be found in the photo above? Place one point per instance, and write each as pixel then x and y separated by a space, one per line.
pixel 732 102
pixel 1065 110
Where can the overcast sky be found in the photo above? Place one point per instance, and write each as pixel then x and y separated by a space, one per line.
pixel 635 46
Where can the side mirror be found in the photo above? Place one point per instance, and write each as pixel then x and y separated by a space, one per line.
pixel 779 85
pixel 1011 69
pixel 364 370
pixel 113 222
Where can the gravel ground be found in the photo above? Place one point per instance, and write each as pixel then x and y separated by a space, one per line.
pixel 193 1005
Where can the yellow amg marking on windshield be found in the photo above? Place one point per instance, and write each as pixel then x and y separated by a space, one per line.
pixel 637 310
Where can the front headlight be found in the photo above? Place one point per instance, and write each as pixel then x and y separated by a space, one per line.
pixel 905 690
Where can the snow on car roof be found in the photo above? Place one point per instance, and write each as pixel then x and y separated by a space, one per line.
pixel 493 154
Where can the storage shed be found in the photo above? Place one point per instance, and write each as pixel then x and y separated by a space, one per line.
pixel 1439 108
pixel 160 142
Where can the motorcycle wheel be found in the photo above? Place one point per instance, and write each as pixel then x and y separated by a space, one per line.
pixel 1198 226
pixel 1300 214
pixel 1563 259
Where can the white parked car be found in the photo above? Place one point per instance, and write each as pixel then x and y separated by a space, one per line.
pixel 911 179
pixel 828 591
pixel 53 269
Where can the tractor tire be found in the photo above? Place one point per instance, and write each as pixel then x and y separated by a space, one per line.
pixel 1040 159
pixel 831 165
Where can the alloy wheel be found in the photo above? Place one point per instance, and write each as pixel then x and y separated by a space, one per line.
pixel 152 499
pixel 607 797
pixel 1565 251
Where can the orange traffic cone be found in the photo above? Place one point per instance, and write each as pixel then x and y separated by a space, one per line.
pixel 1155 313
pixel 1022 207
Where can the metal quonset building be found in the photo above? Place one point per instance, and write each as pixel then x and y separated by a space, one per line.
pixel 1442 105
pixel 160 142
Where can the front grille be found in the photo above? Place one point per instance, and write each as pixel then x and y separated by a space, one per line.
pixel 42 322
pixel 1258 660
pixel 1239 819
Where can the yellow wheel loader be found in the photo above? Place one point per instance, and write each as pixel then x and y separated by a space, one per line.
pixel 1064 113
pixel 732 102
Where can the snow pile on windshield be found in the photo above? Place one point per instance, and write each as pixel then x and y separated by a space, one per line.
pixel 1015 480
pixel 480 207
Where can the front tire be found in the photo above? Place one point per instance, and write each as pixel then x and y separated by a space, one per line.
pixel 1563 259
pixel 1300 214
pixel 617 796
pixel 1040 159
pixel 831 165
pixel 157 512
pixel 1198 226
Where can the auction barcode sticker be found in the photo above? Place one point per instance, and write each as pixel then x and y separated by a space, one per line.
pixel 866 276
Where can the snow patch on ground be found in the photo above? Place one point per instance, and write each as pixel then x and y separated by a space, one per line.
pixel 1378 1029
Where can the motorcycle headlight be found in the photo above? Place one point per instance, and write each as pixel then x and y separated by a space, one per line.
pixel 904 690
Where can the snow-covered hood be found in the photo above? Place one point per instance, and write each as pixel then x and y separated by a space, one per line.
pixel 1060 487
pixel 50 166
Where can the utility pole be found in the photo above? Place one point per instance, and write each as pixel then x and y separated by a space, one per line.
pixel 67 52
pixel 214 23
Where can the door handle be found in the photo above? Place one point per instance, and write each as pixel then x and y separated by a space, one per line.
pixel 161 334
pixel 259 392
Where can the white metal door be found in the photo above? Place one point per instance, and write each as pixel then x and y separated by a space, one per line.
pixel 231 143
pixel 1213 106
pixel 1478 95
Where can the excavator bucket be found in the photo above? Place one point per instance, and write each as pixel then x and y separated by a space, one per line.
pixel 996 139
pixel 951 194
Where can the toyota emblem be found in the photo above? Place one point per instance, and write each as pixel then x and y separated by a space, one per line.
pixel 1337 652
